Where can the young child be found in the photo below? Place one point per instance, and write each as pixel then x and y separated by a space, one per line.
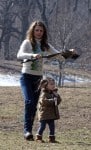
pixel 48 108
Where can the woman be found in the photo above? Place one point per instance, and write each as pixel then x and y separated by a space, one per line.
pixel 34 46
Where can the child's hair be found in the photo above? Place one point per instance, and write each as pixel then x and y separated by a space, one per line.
pixel 44 82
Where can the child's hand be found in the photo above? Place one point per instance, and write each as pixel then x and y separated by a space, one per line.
pixel 55 89
pixel 55 92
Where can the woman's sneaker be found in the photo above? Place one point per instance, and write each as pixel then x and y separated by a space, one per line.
pixel 28 136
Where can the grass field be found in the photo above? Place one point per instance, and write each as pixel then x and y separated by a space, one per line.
pixel 73 130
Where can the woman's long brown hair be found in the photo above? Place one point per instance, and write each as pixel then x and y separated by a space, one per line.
pixel 30 35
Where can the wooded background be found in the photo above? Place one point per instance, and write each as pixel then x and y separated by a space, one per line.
pixel 68 23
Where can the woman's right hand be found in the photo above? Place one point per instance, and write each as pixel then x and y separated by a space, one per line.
pixel 37 56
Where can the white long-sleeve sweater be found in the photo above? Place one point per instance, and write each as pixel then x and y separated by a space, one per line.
pixel 26 52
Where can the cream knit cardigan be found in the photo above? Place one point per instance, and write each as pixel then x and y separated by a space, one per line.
pixel 25 52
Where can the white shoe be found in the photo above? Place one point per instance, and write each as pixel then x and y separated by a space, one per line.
pixel 28 136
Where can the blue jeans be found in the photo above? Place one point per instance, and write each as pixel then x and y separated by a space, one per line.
pixel 42 127
pixel 29 86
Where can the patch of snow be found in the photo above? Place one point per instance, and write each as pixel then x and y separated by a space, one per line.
pixel 9 80
pixel 14 80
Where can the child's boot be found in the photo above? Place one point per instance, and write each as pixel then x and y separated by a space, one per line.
pixel 52 139
pixel 39 138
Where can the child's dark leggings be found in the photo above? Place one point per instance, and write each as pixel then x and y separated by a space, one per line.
pixel 42 127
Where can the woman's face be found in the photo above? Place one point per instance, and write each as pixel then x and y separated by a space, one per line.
pixel 38 32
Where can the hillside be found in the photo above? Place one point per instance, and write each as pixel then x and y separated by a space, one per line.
pixel 77 75
pixel 75 68
pixel 13 67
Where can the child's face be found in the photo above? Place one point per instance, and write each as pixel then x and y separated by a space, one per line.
pixel 38 32
pixel 51 85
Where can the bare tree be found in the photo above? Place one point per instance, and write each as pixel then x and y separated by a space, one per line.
pixel 24 7
pixel 45 10
pixel 75 5
pixel 68 22
pixel 7 20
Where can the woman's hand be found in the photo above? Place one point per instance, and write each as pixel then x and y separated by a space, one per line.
pixel 73 51
pixel 37 56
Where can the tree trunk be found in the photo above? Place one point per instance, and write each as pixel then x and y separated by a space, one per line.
pixel 6 47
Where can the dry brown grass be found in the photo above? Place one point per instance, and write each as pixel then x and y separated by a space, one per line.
pixel 73 130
